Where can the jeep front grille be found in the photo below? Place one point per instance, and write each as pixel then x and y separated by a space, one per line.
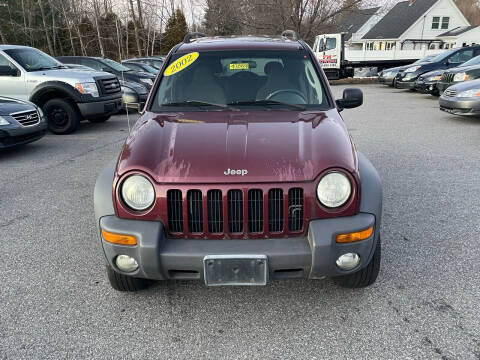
pixel 235 212
pixel 448 77
pixel 27 118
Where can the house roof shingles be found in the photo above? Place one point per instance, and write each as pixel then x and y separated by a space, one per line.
pixel 352 21
pixel 399 19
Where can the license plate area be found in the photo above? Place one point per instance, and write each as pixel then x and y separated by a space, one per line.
pixel 231 270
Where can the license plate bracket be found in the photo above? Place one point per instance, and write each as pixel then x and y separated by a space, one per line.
pixel 235 270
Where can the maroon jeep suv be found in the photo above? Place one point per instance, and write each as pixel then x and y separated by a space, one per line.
pixel 240 171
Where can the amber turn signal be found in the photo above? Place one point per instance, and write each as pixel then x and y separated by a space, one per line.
pixel 119 239
pixel 355 236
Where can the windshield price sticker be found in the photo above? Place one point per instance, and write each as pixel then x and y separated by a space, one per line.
pixel 181 63
pixel 239 66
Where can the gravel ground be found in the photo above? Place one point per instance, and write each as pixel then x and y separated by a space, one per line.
pixel 56 302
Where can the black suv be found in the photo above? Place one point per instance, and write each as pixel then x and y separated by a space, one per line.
pixel 110 66
pixel 406 79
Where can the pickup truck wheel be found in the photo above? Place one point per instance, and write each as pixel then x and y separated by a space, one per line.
pixel 99 119
pixel 62 116
pixel 122 282
pixel 367 275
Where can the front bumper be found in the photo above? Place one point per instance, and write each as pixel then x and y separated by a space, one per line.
pixel 101 108
pixel 14 135
pixel 401 84
pixel 460 106
pixel 426 87
pixel 386 81
pixel 312 256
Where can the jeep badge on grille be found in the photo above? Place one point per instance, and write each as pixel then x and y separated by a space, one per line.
pixel 242 172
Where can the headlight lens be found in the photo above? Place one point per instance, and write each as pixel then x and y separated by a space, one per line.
pixel 434 78
pixel 128 90
pixel 3 121
pixel 412 69
pixel 460 77
pixel 138 192
pixel 147 81
pixel 334 189
pixel 470 93
pixel 87 88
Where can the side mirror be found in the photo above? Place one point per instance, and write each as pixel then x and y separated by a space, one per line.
pixel 352 98
pixel 9 71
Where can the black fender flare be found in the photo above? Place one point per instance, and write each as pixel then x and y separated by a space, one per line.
pixel 54 86
pixel 371 190
pixel 102 195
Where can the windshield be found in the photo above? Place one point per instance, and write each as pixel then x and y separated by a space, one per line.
pixel 442 56
pixel 149 68
pixel 115 65
pixel 157 64
pixel 474 61
pixel 264 80
pixel 33 59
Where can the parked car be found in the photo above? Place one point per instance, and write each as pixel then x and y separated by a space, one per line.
pixel 204 189
pixel 21 122
pixel 134 95
pixel 65 95
pixel 140 67
pixel 122 72
pixel 462 99
pixel 154 61
pixel 387 76
pixel 469 70
pixel 405 79
pixel 427 83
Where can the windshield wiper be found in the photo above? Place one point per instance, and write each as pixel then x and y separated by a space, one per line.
pixel 268 102
pixel 42 68
pixel 197 104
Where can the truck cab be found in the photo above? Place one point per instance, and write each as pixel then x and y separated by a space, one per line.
pixel 329 50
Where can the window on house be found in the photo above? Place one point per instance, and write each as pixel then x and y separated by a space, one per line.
pixel 445 21
pixel 436 22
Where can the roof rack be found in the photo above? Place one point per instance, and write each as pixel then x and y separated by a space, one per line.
pixel 291 34
pixel 189 36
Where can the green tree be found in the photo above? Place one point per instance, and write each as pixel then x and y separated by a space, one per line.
pixel 175 31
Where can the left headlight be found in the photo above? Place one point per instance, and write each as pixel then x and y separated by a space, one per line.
pixel 470 93
pixel 434 78
pixel 147 81
pixel 138 192
pixel 3 121
pixel 334 189
pixel 461 77
pixel 87 88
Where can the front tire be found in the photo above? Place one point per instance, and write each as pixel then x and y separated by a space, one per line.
pixel 62 115
pixel 122 282
pixel 366 276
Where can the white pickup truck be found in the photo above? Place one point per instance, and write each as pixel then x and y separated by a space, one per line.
pixel 65 95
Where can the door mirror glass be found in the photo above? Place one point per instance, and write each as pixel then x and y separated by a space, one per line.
pixel 352 98
pixel 9 71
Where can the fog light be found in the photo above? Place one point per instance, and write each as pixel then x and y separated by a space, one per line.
pixel 126 263
pixel 348 261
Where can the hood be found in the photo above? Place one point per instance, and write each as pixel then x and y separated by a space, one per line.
pixel 68 75
pixel 466 85
pixel 9 106
pixel 461 69
pixel 237 147
pixel 433 73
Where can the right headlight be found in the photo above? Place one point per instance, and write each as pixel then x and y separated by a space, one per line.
pixel 87 88
pixel 138 192
pixel 460 77
pixel 470 93
pixel 334 189
pixel 3 121
pixel 412 69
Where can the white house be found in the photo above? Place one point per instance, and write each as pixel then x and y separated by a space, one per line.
pixel 415 25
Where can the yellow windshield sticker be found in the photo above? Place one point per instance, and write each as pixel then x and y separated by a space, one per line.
pixel 239 66
pixel 181 63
